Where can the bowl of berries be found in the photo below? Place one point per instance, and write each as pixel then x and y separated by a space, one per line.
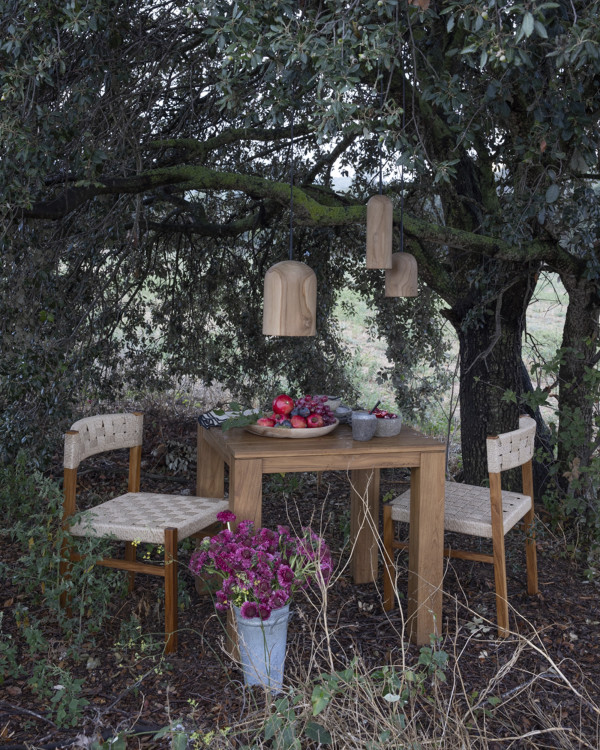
pixel 305 417
pixel 388 423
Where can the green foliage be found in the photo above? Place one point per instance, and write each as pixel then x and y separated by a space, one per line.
pixel 132 640
pixel 280 727
pixel 286 485
pixel 140 214
pixel 32 505
pixel 573 490
pixel 118 742
pixel 322 710
pixel 9 664
pixel 50 681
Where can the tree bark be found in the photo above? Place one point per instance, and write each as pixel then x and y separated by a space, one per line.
pixel 544 442
pixel 490 372
pixel 578 385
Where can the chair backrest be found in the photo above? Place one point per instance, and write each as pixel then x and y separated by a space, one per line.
pixel 511 448
pixel 105 432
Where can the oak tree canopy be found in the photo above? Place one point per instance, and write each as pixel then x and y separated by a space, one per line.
pixel 145 177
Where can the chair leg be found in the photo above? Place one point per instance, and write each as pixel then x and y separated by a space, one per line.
pixel 130 557
pixel 501 585
pixel 531 553
pixel 499 555
pixel 389 576
pixel 170 590
pixel 528 518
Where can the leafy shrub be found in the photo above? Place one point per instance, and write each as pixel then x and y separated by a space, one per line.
pixel 32 505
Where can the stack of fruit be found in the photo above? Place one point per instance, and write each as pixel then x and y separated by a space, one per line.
pixel 383 414
pixel 308 411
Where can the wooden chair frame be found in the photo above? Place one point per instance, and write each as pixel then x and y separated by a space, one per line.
pixel 497 558
pixel 168 570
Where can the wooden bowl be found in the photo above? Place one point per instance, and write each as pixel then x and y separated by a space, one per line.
pixel 291 432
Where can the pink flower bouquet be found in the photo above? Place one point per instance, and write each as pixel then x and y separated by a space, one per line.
pixel 261 569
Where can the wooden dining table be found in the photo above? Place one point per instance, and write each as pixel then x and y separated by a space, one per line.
pixel 249 456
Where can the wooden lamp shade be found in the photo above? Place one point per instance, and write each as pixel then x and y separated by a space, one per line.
pixel 380 226
pixel 401 279
pixel 290 301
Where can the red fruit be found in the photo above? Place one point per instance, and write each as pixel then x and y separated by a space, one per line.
pixel 315 420
pixel 266 422
pixel 283 404
pixel 298 421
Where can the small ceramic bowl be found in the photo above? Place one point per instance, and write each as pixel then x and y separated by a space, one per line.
pixel 388 427
pixel 343 414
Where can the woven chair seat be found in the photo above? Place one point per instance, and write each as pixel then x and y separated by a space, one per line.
pixel 468 509
pixel 144 516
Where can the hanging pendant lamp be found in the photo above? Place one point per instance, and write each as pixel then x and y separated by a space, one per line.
pixel 290 292
pixel 401 279
pixel 380 221
pixel 380 227
pixel 290 301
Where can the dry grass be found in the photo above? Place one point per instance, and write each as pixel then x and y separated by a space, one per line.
pixel 334 697
pixel 401 704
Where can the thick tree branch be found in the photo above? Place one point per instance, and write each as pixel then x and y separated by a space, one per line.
pixel 329 211
pixel 194 148
pixel 210 229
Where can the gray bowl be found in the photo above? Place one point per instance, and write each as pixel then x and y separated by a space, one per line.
pixel 363 425
pixel 388 427
pixel 343 414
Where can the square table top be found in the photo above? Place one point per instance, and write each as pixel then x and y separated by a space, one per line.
pixel 240 444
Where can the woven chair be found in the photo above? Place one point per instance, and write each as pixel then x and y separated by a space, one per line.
pixel 482 512
pixel 136 517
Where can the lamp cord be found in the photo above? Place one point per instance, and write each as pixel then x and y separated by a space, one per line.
pixel 379 137
pixel 291 244
pixel 402 166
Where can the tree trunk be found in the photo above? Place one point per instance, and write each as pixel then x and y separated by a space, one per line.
pixel 543 465
pixel 490 372
pixel 578 379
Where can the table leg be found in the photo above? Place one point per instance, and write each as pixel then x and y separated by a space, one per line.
pixel 426 548
pixel 364 521
pixel 245 500
pixel 210 471
pixel 245 490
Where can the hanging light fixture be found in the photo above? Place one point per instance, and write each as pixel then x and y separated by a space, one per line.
pixel 380 227
pixel 401 278
pixel 290 301
pixel 290 294
pixel 380 223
